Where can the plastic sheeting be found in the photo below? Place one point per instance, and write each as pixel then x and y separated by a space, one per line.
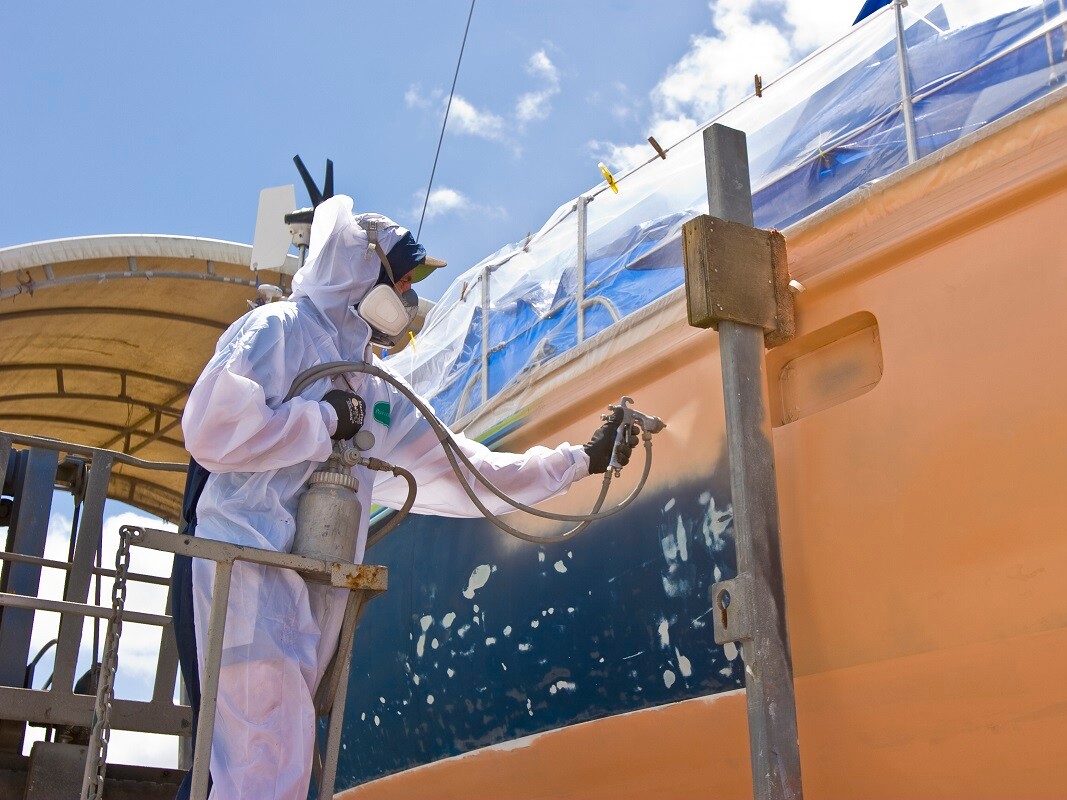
pixel 829 125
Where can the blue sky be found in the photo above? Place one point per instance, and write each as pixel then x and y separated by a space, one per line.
pixel 131 117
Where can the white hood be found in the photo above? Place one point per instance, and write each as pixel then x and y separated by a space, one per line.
pixel 342 267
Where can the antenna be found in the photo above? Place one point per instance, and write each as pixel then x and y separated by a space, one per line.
pixel 309 183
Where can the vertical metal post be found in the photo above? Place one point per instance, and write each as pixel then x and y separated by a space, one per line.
pixel 185 754
pixel 353 614
pixel 27 535
pixel 5 454
pixel 904 71
pixel 583 201
pixel 772 723
pixel 90 534
pixel 485 333
pixel 205 724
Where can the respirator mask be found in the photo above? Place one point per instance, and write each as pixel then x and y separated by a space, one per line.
pixel 389 315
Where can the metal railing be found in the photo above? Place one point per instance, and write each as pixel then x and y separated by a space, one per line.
pixel 23 561
pixel 59 704
pixel 363 582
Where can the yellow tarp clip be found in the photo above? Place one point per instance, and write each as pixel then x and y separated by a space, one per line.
pixel 609 178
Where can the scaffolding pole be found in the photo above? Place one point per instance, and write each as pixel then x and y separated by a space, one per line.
pixel 751 607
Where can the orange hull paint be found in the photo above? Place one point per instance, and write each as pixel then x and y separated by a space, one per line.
pixel 922 515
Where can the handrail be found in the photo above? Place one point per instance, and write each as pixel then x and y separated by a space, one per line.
pixel 86 450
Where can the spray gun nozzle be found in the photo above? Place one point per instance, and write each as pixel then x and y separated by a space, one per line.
pixel 631 417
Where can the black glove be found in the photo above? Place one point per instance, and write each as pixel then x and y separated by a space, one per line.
pixel 600 446
pixel 351 411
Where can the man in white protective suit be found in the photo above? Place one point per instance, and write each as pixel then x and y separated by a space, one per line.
pixel 252 455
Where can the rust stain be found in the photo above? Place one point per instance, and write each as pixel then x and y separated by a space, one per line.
pixel 366 576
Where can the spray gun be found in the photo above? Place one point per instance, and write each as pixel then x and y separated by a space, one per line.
pixel 630 417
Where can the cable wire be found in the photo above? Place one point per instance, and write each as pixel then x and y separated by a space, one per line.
pixel 444 123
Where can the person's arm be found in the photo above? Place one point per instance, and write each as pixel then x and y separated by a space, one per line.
pixel 530 477
pixel 235 421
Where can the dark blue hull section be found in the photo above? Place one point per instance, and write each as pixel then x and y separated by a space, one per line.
pixel 482 638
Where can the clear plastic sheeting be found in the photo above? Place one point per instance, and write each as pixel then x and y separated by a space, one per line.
pixel 831 124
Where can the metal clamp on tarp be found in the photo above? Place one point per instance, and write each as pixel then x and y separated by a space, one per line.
pixel 738 273
pixel 732 604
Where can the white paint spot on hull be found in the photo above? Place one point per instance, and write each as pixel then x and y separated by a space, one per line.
pixel 683 541
pixel 668 678
pixel 449 618
pixel 664 630
pixel 684 665
pixel 477 580
pixel 560 566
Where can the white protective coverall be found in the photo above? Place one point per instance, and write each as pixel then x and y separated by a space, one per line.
pixel 280 631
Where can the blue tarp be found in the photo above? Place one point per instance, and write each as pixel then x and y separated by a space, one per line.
pixel 827 127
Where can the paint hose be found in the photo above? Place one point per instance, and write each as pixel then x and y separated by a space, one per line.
pixel 455 456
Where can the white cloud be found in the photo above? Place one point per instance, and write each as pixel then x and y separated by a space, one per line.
pixel 537 105
pixel 812 30
pixel 414 98
pixel 475 122
pixel 540 64
pixel 718 69
pixel 467 119
pixel 445 200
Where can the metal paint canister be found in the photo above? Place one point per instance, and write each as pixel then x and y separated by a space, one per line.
pixel 327 517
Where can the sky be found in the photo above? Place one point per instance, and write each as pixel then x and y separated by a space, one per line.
pixel 132 117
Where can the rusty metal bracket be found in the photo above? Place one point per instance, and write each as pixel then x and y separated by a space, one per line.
pixel 738 273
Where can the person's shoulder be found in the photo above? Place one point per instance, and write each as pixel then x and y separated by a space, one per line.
pixel 269 321
pixel 280 316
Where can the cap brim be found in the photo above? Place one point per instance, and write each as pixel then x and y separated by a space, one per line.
pixel 423 270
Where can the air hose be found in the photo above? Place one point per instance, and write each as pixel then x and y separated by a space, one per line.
pixel 455 456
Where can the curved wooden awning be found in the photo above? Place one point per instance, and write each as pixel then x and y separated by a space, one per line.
pixel 102 337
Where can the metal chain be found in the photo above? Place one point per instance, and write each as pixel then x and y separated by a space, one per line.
pixel 93 784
